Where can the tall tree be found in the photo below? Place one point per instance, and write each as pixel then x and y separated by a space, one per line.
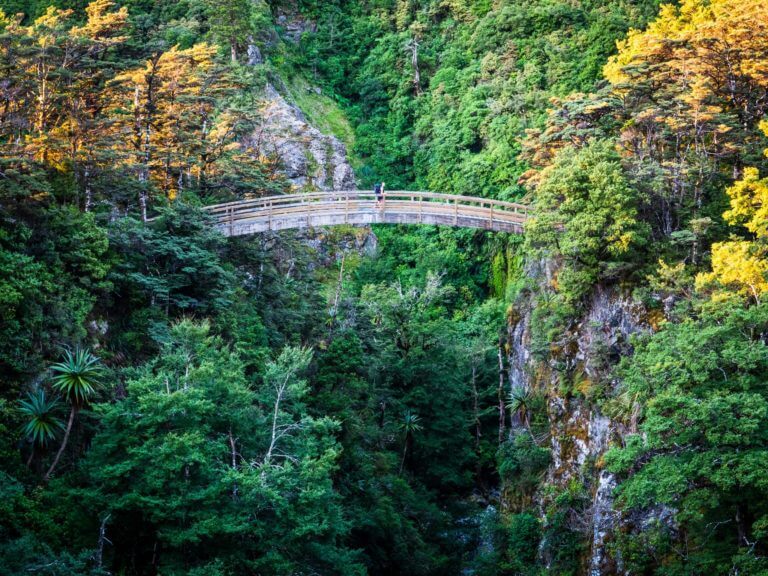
pixel 587 213
pixel 232 24
pixel 181 460
pixel 695 85
pixel 76 378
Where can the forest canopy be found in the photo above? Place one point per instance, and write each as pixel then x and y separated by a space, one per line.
pixel 587 398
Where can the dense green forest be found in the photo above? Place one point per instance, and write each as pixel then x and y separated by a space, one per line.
pixel 590 397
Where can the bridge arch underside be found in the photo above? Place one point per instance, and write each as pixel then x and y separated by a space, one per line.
pixel 257 224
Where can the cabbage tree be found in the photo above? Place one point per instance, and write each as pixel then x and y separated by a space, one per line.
pixel 75 378
pixel 42 421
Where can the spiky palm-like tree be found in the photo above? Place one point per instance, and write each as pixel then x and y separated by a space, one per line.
pixel 75 378
pixel 408 426
pixel 520 404
pixel 42 421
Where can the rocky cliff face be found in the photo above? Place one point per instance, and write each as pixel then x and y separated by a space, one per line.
pixel 309 159
pixel 579 434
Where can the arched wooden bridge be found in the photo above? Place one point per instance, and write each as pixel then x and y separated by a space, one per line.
pixel 360 207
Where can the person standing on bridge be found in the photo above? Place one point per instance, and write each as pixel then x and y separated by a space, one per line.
pixel 378 189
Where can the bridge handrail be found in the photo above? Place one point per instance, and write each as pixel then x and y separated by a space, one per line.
pixel 336 196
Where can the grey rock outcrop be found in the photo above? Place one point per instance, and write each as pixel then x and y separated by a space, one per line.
pixel 294 26
pixel 309 159
pixel 255 57
pixel 579 434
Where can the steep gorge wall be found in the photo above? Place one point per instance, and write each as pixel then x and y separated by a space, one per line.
pixel 579 433
pixel 309 159
pixel 308 156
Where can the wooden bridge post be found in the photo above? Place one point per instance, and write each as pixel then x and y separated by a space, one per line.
pixel 421 209
pixel 269 221
pixel 456 212
pixel 231 220
pixel 492 205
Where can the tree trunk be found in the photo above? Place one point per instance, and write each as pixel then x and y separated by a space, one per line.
pixel 88 191
pixel 478 429
pixel 141 147
pixel 143 204
pixel 63 443
pixel 233 447
pixel 502 408
pixel 337 295
pixel 102 538
pixel 414 46
pixel 476 409
pixel 280 389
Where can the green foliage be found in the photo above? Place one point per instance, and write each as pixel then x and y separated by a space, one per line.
pixel 521 534
pixel 167 269
pixel 586 213
pixel 220 444
pixel 189 452
pixel 459 257
pixel 77 376
pixel 42 421
pixel 563 538
pixel 52 269
pixel 521 462
pixel 486 74
pixel 410 423
pixel 232 22
pixel 414 357
pixel 280 290
pixel 704 402
pixel 25 554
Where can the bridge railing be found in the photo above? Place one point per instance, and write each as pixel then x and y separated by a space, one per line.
pixel 355 201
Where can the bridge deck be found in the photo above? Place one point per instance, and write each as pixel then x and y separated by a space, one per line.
pixel 359 207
